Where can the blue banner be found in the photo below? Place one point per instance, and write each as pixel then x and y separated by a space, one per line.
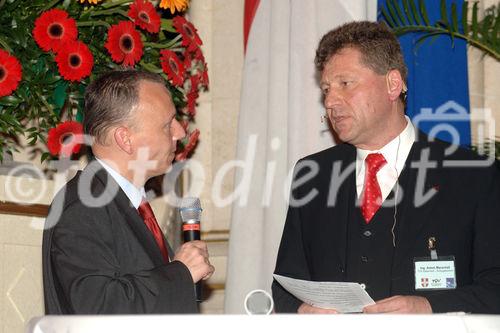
pixel 438 88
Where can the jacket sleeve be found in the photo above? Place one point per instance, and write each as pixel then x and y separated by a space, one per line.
pixel 483 295
pixel 95 280
pixel 291 260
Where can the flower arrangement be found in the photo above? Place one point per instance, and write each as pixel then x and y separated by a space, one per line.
pixel 51 50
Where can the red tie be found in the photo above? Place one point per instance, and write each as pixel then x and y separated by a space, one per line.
pixel 149 219
pixel 372 197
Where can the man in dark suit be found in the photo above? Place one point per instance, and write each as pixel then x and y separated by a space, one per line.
pixel 364 210
pixel 103 251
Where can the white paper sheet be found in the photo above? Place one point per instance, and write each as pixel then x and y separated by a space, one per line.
pixel 344 297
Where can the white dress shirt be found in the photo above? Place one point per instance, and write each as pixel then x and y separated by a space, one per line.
pixel 395 153
pixel 134 194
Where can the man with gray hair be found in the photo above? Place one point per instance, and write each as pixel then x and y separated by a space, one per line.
pixel 103 250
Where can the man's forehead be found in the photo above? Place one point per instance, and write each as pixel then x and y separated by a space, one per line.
pixel 350 54
pixel 344 62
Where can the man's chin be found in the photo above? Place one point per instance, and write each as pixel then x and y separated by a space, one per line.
pixel 343 135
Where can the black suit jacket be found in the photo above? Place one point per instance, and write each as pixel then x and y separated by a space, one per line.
pixel 462 214
pixel 100 258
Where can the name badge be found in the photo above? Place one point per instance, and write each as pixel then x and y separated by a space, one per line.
pixel 437 274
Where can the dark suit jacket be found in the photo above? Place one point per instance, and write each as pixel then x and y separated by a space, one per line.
pixel 100 258
pixel 463 215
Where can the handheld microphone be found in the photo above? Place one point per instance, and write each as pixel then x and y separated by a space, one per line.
pixel 190 210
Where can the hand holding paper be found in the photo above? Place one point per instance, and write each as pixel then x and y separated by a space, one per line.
pixel 345 297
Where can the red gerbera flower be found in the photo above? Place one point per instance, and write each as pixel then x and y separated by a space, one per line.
pixel 192 96
pixel 10 73
pixel 189 147
pixel 172 66
pixel 54 28
pixel 198 55
pixel 194 82
pixel 65 139
pixel 124 43
pixel 190 38
pixel 188 60
pixel 145 16
pixel 204 77
pixel 75 61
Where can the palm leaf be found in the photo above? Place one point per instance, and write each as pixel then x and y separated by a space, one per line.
pixel 415 13
pixel 392 11
pixel 454 18
pixel 402 17
pixel 483 34
pixel 465 10
pixel 423 10
pixel 444 14
pixel 474 24
pixel 407 12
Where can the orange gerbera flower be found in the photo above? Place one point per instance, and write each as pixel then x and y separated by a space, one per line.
pixel 174 5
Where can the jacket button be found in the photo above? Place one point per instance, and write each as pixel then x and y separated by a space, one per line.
pixel 364 259
pixel 367 233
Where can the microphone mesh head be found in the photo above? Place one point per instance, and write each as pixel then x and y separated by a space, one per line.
pixel 190 209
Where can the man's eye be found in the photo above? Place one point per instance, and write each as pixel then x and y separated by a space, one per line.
pixel 325 91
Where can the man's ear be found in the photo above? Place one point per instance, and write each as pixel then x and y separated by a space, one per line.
pixel 395 84
pixel 122 136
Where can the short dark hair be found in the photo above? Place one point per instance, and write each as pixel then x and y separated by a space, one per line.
pixel 110 99
pixel 379 47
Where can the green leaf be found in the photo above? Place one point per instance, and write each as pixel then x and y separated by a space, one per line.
pixel 408 14
pixel 49 6
pixel 415 12
pixel 486 28
pixel 59 96
pixel 496 30
pixel 10 100
pixel 45 156
pixel 402 18
pixel 444 14
pixel 474 24
pixel 166 24
pixel 5 46
pixel 79 112
pixel 454 18
pixel 465 11
pixel 423 11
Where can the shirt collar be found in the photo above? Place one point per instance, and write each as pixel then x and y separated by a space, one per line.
pixel 134 194
pixel 395 152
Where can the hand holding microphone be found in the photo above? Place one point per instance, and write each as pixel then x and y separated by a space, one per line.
pixel 193 253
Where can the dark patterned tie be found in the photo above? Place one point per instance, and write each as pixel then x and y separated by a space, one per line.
pixel 372 196
pixel 149 219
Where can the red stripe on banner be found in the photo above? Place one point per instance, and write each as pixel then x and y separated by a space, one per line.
pixel 250 10
pixel 188 227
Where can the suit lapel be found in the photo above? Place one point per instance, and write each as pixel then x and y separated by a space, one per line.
pixel 420 196
pixel 340 213
pixel 130 215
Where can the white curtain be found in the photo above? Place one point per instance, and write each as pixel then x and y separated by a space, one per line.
pixel 280 121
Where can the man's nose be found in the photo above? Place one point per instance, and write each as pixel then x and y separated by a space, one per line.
pixel 332 99
pixel 178 132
